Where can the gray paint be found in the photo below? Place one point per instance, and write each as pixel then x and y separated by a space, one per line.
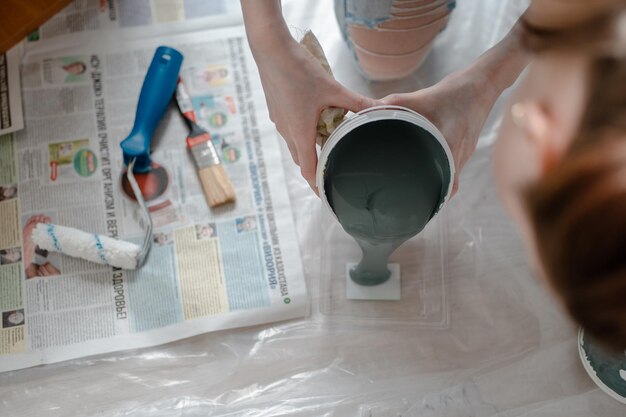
pixel 385 180
pixel 367 13
pixel 607 366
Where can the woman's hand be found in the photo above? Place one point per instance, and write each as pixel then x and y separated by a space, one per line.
pixel 297 88
pixel 460 103
pixel 458 107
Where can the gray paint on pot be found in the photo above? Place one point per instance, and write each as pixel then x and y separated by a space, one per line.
pixel 385 180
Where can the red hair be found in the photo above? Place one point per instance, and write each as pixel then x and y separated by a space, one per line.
pixel 578 208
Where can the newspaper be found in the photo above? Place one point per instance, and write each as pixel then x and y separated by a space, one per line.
pixel 208 269
pixel 11 117
pixel 115 19
pixel 139 18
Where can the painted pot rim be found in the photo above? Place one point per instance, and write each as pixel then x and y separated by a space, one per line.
pixel 592 372
pixel 427 9
pixel 430 5
pixel 374 114
pixel 403 31
pixel 399 56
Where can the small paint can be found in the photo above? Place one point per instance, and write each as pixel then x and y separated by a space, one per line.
pixel 403 122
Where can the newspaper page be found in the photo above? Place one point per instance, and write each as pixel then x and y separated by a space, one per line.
pixel 136 18
pixel 11 117
pixel 238 265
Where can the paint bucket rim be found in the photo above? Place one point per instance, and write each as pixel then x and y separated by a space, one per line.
pixel 374 114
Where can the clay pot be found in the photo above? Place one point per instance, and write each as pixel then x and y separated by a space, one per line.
pixel 419 5
pixel 395 12
pixel 380 67
pixel 395 41
pixel 416 21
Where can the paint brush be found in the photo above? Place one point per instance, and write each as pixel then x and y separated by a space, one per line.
pixel 216 184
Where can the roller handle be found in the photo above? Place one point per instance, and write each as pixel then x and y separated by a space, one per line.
pixel 156 93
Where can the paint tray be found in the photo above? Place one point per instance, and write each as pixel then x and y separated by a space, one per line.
pixel 423 297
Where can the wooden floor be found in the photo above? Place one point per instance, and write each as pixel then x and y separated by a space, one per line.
pixel 20 17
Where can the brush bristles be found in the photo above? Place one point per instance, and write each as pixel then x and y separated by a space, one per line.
pixel 216 185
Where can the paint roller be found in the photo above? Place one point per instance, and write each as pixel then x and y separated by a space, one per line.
pixel 156 92
pixel 92 247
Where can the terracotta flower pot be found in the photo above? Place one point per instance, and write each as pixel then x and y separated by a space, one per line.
pixel 416 4
pixel 416 21
pixel 418 11
pixel 381 67
pixel 395 41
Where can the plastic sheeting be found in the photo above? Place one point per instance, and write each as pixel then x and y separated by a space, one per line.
pixel 506 350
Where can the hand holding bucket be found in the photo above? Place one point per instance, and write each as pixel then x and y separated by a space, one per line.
pixel 384 174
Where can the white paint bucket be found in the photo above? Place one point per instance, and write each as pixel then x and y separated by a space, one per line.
pixel 376 114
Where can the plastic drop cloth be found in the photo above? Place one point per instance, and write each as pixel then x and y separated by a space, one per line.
pixel 507 350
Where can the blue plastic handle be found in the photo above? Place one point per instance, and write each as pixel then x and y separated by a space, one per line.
pixel 156 93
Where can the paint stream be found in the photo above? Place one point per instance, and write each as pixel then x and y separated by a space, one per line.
pixel 385 180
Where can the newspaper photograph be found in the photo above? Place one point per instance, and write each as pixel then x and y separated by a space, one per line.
pixel 209 269
pixel 11 118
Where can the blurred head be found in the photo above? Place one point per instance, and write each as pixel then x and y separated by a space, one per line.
pixel 7 192
pixel 206 231
pixel 215 74
pixel 9 256
pixel 16 317
pixel 75 68
pixel 247 223
pixel 561 159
